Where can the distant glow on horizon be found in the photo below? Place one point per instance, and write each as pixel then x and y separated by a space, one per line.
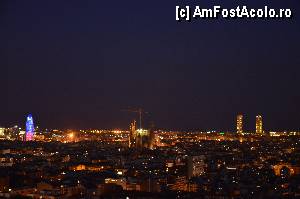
pixel 71 135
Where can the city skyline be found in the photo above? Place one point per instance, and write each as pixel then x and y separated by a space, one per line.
pixel 78 66
pixel 258 127
pixel 238 128
pixel 149 99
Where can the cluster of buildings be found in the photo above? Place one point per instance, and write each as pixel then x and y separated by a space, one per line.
pixel 134 137
pixel 140 137
pixel 181 166
pixel 148 163
pixel 258 125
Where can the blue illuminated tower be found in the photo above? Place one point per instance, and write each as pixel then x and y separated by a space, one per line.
pixel 29 128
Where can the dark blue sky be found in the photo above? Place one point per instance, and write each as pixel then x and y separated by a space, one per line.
pixel 76 64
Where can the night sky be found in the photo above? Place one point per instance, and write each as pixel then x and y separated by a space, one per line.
pixel 77 64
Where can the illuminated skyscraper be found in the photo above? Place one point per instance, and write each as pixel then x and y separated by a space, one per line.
pixel 239 124
pixel 29 128
pixel 259 125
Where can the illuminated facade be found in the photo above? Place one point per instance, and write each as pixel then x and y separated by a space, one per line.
pixel 29 128
pixel 132 135
pixel 239 124
pixel 259 125
pixel 142 138
pixel 196 166
pixel 180 184
pixel 2 131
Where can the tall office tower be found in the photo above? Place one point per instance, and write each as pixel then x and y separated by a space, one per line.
pixel 29 128
pixel 239 124
pixel 259 125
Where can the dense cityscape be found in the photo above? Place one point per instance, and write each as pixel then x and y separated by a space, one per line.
pixel 148 163
pixel 149 99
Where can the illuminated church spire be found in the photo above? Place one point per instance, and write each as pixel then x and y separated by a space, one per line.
pixel 29 128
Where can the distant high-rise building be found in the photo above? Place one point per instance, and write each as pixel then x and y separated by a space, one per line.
pixel 239 124
pixel 29 128
pixel 132 134
pixel 259 125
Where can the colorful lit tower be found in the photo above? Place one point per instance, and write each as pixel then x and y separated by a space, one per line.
pixel 29 128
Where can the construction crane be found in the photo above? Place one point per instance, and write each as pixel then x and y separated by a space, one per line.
pixel 139 111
